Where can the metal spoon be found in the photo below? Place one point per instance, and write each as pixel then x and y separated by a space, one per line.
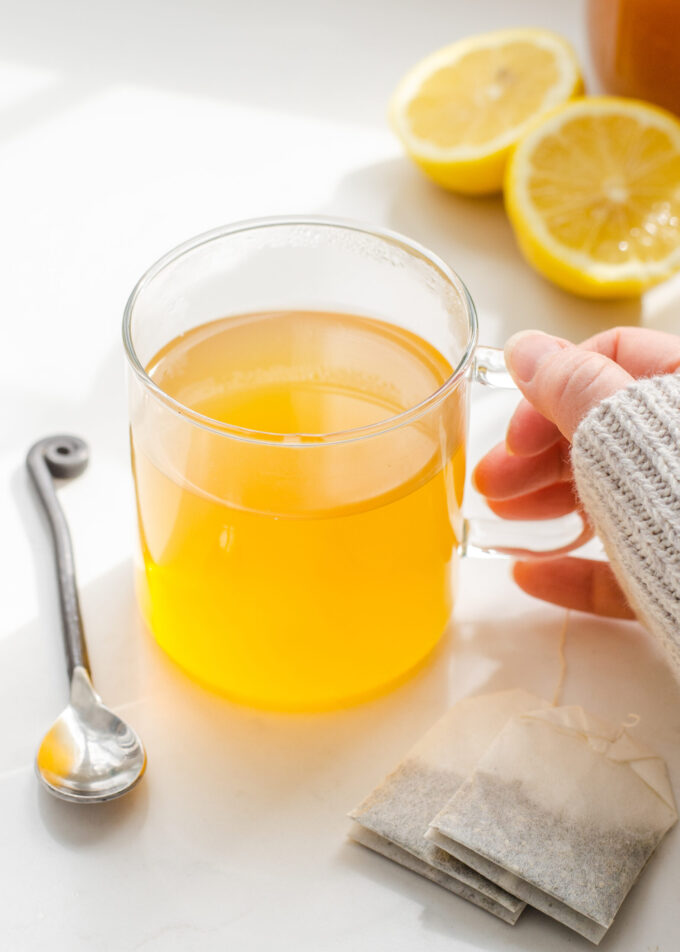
pixel 89 754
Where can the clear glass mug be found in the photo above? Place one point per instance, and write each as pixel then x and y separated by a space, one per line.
pixel 293 571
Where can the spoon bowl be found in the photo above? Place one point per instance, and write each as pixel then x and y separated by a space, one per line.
pixel 89 754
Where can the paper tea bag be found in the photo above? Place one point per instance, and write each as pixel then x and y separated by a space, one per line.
pixel 385 848
pixel 563 811
pixel 395 817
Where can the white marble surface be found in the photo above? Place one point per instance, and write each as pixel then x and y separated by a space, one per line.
pixel 125 128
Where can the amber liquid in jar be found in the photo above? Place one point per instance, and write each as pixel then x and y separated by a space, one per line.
pixel 635 47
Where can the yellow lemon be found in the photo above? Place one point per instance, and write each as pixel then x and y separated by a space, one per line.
pixel 593 194
pixel 460 111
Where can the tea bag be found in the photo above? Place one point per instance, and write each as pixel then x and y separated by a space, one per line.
pixel 562 811
pixel 403 858
pixel 394 819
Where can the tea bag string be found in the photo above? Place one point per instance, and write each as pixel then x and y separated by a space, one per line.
pixel 557 696
pixel 606 743
pixel 632 720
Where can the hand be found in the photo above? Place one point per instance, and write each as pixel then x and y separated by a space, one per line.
pixel 529 477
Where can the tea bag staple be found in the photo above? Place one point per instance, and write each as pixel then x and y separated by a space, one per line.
pixel 562 811
pixel 394 818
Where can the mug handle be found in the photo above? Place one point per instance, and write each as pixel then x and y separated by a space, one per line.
pixel 495 538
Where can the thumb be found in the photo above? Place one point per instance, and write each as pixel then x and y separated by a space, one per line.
pixel 562 381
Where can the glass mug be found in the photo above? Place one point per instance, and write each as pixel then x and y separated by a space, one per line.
pixel 303 570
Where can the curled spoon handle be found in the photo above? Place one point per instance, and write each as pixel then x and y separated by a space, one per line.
pixel 62 457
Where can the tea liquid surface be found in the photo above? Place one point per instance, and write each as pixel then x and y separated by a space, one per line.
pixel 300 576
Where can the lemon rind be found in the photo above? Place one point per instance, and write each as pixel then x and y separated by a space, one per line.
pixel 574 270
pixel 565 88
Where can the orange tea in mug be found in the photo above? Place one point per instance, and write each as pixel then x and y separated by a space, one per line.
pixel 298 408
pixel 298 446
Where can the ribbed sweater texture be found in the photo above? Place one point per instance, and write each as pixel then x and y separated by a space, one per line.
pixel 626 462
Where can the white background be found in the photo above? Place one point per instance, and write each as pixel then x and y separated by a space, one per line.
pixel 125 128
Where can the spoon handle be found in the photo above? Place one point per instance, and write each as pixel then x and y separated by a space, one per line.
pixel 62 457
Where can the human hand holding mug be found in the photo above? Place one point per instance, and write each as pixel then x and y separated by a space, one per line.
pixel 530 476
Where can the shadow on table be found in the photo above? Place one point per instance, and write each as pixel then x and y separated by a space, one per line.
pixel 201 747
pixel 318 60
pixel 474 236
pixel 612 669
pixel 224 779
pixel 83 826
pixel 461 922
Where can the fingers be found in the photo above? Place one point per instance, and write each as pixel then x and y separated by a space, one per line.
pixel 562 381
pixel 549 503
pixel 500 475
pixel 641 352
pixel 580 584
pixel 529 432
pixel 529 477
pixel 517 487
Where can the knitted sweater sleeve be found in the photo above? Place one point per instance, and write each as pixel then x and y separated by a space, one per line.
pixel 626 462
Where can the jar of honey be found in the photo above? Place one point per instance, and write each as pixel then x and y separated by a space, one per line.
pixel 635 47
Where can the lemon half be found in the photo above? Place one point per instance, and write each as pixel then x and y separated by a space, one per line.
pixel 593 194
pixel 460 111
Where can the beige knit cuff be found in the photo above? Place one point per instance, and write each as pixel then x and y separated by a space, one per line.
pixel 626 461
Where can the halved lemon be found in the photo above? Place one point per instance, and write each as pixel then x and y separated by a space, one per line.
pixel 593 194
pixel 460 110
